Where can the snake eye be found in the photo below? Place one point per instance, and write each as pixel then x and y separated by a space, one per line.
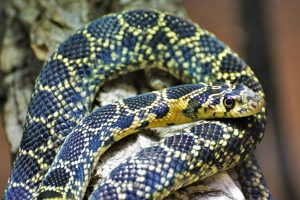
pixel 229 102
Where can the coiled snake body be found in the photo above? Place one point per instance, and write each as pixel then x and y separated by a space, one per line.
pixel 116 44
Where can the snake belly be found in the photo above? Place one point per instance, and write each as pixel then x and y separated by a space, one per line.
pixel 110 46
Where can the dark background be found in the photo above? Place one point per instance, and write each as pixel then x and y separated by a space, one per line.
pixel 266 34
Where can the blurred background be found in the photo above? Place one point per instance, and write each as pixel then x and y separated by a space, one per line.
pixel 266 34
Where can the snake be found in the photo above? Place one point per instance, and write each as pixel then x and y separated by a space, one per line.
pixel 63 138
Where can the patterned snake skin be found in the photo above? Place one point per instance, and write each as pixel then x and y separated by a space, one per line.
pixel 104 49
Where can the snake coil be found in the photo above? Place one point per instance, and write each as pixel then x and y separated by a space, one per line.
pixel 103 49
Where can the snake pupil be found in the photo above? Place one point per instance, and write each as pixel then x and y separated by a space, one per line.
pixel 229 103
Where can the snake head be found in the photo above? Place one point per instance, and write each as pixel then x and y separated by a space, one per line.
pixel 223 101
pixel 241 102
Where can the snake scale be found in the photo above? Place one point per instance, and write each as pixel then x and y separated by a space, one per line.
pixel 60 110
